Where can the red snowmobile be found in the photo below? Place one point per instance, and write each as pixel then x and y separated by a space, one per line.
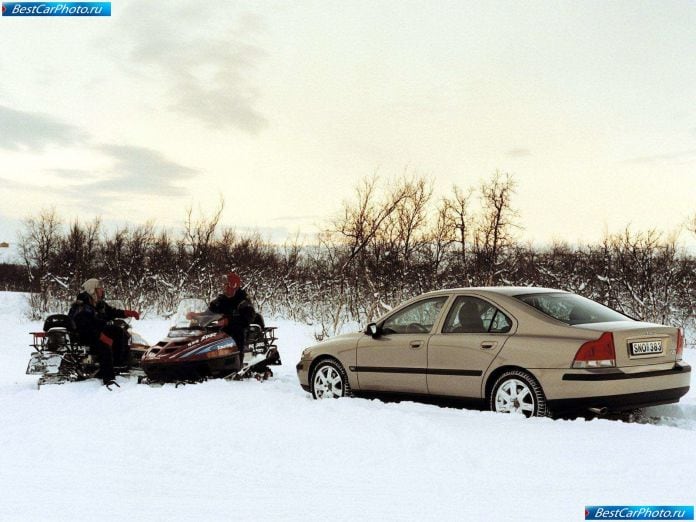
pixel 198 349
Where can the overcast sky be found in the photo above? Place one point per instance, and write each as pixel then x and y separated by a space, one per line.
pixel 281 107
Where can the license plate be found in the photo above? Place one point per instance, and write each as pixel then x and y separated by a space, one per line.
pixel 646 348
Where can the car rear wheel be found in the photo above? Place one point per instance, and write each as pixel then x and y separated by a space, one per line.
pixel 516 391
pixel 329 381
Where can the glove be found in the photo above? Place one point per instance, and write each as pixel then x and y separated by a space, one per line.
pixel 132 313
pixel 106 339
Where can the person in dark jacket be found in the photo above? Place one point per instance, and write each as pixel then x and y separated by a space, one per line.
pixel 233 294
pixel 92 316
pixel 234 304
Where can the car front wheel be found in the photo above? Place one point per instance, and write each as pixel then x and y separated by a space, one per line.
pixel 329 381
pixel 516 391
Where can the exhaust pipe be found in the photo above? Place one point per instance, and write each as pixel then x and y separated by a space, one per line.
pixel 599 411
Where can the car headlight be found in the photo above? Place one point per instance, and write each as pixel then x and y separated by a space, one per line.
pixel 307 352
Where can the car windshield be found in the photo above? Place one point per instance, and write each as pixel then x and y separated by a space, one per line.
pixel 571 308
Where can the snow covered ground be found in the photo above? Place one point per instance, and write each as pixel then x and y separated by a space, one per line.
pixel 258 451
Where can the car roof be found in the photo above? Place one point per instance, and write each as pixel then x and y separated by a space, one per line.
pixel 501 290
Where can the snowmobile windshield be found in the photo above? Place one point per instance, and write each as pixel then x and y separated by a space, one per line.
pixel 193 314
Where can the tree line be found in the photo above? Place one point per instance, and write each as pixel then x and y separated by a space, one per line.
pixel 389 242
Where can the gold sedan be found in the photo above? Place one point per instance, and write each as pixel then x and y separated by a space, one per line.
pixel 532 351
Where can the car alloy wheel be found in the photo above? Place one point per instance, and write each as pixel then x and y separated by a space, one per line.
pixel 329 381
pixel 518 392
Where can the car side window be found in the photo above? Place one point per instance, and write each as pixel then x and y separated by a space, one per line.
pixel 498 322
pixel 417 318
pixel 470 314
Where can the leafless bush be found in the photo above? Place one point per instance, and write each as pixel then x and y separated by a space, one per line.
pixel 388 243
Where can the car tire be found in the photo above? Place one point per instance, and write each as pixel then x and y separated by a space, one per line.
pixel 329 380
pixel 516 391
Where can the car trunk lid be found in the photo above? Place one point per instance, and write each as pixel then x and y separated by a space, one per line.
pixel 639 344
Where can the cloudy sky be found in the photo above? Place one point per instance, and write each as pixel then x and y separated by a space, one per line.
pixel 281 107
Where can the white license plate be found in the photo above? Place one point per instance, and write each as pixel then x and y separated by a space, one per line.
pixel 646 348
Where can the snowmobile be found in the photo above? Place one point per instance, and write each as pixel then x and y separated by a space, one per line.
pixel 196 349
pixel 60 357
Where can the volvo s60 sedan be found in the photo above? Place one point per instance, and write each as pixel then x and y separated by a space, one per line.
pixel 533 351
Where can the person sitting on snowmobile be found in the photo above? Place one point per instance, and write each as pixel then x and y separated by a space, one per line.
pixel 234 304
pixel 91 314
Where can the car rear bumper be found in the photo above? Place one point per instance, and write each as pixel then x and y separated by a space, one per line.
pixel 616 403
pixel 604 375
pixel 623 388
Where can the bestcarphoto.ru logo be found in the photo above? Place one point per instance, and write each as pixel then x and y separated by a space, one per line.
pixel 56 9
pixel 639 512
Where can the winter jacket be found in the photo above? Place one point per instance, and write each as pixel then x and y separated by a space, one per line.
pixel 91 319
pixel 228 306
pixel 239 313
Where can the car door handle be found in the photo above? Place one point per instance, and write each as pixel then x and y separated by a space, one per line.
pixel 415 344
pixel 487 345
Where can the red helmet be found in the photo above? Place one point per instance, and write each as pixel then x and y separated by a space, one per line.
pixel 233 280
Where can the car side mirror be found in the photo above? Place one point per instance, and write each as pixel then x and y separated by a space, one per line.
pixel 372 329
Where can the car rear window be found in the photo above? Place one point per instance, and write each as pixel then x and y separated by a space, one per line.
pixel 571 308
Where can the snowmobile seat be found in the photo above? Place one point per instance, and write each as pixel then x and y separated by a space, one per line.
pixel 59 321
pixel 256 339
pixel 61 332
pixel 261 340
pixel 254 334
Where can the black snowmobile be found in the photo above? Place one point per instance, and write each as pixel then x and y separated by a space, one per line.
pixel 197 349
pixel 60 357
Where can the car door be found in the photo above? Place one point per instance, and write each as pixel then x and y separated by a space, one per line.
pixel 396 359
pixel 472 335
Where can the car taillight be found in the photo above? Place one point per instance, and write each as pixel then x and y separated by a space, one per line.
pixel 680 343
pixel 596 354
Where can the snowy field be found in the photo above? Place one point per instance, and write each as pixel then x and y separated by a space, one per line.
pixel 267 451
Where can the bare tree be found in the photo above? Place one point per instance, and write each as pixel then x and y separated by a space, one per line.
pixel 647 276
pixel 411 214
pixel 360 222
pixel 39 240
pixel 459 218
pixel 439 239
pixel 364 223
pixel 76 256
pixel 691 224
pixel 495 225
pixel 38 243
pixel 199 233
